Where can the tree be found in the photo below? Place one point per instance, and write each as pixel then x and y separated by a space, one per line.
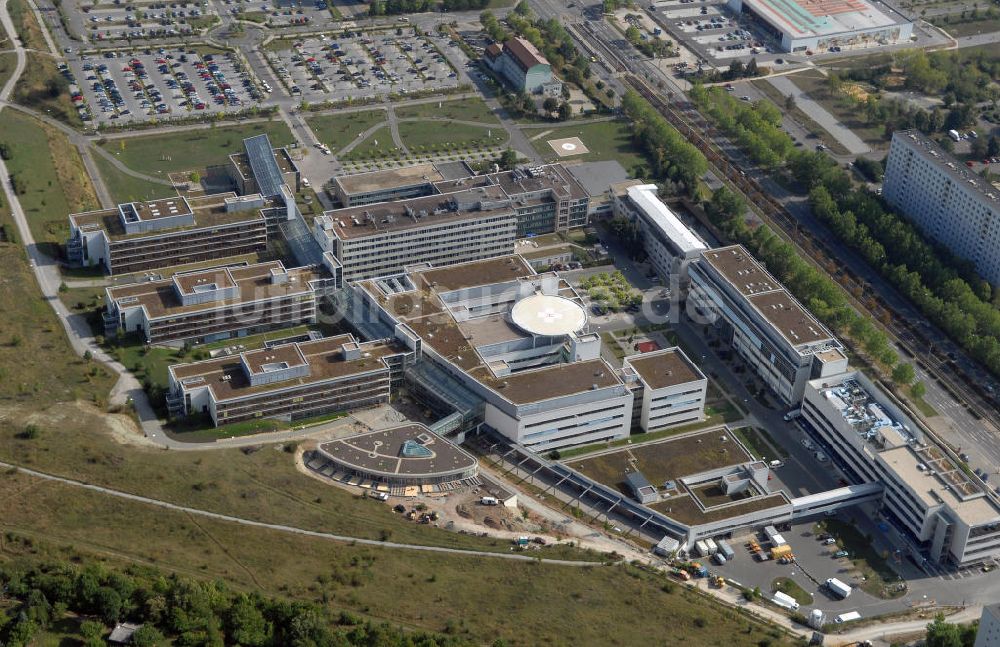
pixel 507 159
pixel 918 390
pixel 565 111
pixel 195 177
pixel 108 604
pixel 944 634
pixel 147 636
pixel 550 105
pixel 790 102
pixel 246 625
pixel 903 374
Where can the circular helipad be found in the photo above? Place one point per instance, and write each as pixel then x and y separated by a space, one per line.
pixel 542 314
pixel 568 146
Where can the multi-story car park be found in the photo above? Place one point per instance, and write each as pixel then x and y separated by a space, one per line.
pixel 545 198
pixel 947 201
pixel 947 511
pixel 138 236
pixel 821 25
pixel 670 245
pixel 215 303
pixel 381 239
pixel 289 381
pixel 778 338
pixel 667 388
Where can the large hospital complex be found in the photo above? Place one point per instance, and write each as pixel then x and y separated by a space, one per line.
pixel 418 265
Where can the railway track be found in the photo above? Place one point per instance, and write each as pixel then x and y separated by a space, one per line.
pixel 910 338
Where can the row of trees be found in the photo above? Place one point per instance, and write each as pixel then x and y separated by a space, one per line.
pixel 814 289
pixel 397 7
pixel 670 154
pixel 756 127
pixel 187 611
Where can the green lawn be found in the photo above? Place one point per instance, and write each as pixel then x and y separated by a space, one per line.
pixel 125 188
pixel 790 587
pixel 44 88
pixel 377 145
pixel 457 594
pixel 420 136
pixel 983 25
pixel 472 109
pixel 605 140
pixel 339 130
pixel 196 149
pixel 49 175
pixel 7 62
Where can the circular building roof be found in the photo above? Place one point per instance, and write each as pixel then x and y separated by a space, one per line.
pixel 541 314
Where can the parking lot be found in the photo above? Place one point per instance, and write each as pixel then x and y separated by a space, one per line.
pixel 365 65
pixel 143 20
pixel 711 30
pixel 164 83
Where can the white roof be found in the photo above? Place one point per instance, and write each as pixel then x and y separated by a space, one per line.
pixel 644 198
pixel 542 314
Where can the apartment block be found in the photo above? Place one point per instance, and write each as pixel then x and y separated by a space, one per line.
pixel 667 388
pixel 216 303
pixel 777 337
pixel 949 514
pixel 289 381
pixel 140 236
pixel 946 200
pixel 381 239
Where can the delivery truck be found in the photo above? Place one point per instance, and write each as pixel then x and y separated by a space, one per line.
pixel 786 601
pixel 838 588
pixel 726 549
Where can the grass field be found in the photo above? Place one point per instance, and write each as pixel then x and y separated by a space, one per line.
pixel 790 587
pixel 125 188
pixel 200 147
pixel 8 60
pixel 377 145
pixel 815 85
pixel 605 140
pixel 27 27
pixel 44 88
pixel 339 130
pixel 959 28
pixel 660 462
pixel 545 604
pixel 472 109
pixel 50 177
pixel 421 135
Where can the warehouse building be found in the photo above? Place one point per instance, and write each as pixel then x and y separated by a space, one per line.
pixel 778 338
pixel 381 239
pixel 215 303
pixel 523 67
pixel 288 381
pixel 140 236
pixel 949 513
pixel 670 245
pixel 667 388
pixel 819 25
pixel 946 200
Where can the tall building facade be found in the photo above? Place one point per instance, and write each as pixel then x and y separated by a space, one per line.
pixel 948 202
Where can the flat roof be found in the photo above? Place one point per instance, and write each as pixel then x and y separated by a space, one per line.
pixel 388 179
pixel 597 177
pixel 741 270
pixel 407 450
pixel 226 378
pixel 254 282
pixel 794 322
pixel 386 217
pixel 931 489
pixel 209 211
pixel 804 18
pixel 929 150
pixel 558 380
pixel 474 273
pixel 662 368
pixel 645 197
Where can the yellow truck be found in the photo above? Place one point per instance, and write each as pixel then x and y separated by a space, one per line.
pixel 784 550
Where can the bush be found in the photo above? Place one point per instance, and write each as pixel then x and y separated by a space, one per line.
pixel 30 432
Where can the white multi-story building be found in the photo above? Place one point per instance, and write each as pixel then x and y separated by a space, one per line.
pixel 669 243
pixel 777 337
pixel 668 389
pixel 949 203
pixel 381 239
pixel 988 634
pixel 949 514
